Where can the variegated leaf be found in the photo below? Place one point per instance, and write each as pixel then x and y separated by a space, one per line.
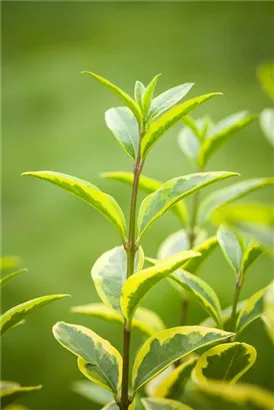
pixel 136 286
pixel 231 248
pixel 124 97
pixel 5 279
pixel 226 362
pixel 16 314
pixel 92 392
pixel 251 254
pixel 174 243
pixel 205 249
pixel 148 95
pixel 98 360
pixel 109 274
pixel 229 194
pixel 157 203
pixel 226 315
pixel 163 404
pixel 11 391
pixel 167 120
pixel 166 347
pixel 139 89
pixel 103 203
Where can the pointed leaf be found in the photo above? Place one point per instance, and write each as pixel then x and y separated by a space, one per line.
pixel 164 348
pixel 92 392
pixel 157 203
pixel 166 100
pixel 227 362
pixel 109 274
pixel 261 233
pixel 148 94
pixel 229 194
pixel 124 127
pixel 11 391
pixel 16 314
pixel 101 361
pixel 5 279
pixel 124 97
pixel 174 243
pixel 189 144
pixel 252 309
pixel 139 89
pixel 103 203
pixel 231 248
pixel 251 254
pixel 149 185
pixel 267 124
pixel 163 404
pixel 223 131
pixel 136 286
pixel 160 126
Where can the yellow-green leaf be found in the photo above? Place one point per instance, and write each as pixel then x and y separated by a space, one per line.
pixel 99 360
pixel 267 124
pixel 226 315
pixel 149 185
pixel 102 202
pixel 221 132
pixel 5 279
pixel 167 120
pixel 266 78
pixel 231 248
pixel 109 274
pixel 136 286
pixel 139 89
pixel 174 243
pixel 124 97
pixel 229 194
pixel 16 314
pixel 92 392
pixel 11 391
pixel 251 254
pixel 189 144
pixel 148 95
pixel 205 249
pixel 163 404
pixel 268 311
pixel 164 348
pixel 252 309
pixel 157 203
pixel 144 319
pixel 226 362
pixel 9 262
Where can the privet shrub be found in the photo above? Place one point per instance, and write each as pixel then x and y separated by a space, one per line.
pixel 192 366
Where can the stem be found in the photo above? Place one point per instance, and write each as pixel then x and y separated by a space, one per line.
pixel 238 289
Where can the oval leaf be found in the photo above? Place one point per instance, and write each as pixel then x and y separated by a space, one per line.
pixel 157 203
pixel 11 391
pixel 166 347
pixel 163 404
pixel 136 286
pixel 231 248
pixel 103 203
pixel 227 362
pixel 189 144
pixel 103 362
pixel 5 279
pixel 267 124
pixel 251 254
pixel 92 392
pixel 16 314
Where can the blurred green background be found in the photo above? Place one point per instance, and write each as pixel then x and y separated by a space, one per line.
pixel 53 118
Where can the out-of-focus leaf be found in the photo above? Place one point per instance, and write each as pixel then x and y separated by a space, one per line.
pixel 163 404
pixel 189 144
pixel 148 95
pixel 226 315
pixel 174 243
pixel 205 249
pixel 229 194
pixel 231 248
pixel 99 360
pixel 124 97
pixel 249 211
pixel 266 78
pixel 157 203
pixel 267 124
pixel 9 262
pixel 16 314
pixel 167 120
pixel 92 392
pixel 268 311
pixel 103 203
pixel 226 362
pixel 124 127
pixel 11 391
pixel 166 347
pixel 5 279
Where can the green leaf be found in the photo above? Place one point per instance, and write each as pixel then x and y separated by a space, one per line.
pixel 136 286
pixel 149 185
pixel 163 404
pixel 231 248
pixel 92 392
pixel 148 95
pixel 124 97
pixel 174 243
pixel 251 254
pixel 226 315
pixel 11 391
pixel 226 362
pixel 144 319
pixel 124 127
pixel 16 314
pixel 167 99
pixel 99 360
pixel 268 317
pixel 9 262
pixel 267 124
pixel 199 127
pixel 261 233
pixel 252 309
pixel 189 144
pixel 109 274
pixel 103 203
pixel 139 89
pixel 157 203
pixel 229 194
pixel 205 249
pixel 168 346
pixel 266 78
pixel 5 279
pixel 221 132
pixel 173 384
pixel 161 125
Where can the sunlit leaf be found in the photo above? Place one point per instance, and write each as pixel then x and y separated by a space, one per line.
pixel 268 311
pixel 11 391
pixel 148 95
pixel 266 78
pixel 267 124
pixel 124 97
pixel 92 392
pixel 166 347
pixel 157 203
pixel 136 286
pixel 251 254
pixel 226 362
pixel 99 360
pixel 163 404
pixel 5 279
pixel 139 89
pixel 89 193
pixel 167 120
pixel 16 314
pixel 231 248
pixel 124 127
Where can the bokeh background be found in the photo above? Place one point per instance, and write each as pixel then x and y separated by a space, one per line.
pixel 53 118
